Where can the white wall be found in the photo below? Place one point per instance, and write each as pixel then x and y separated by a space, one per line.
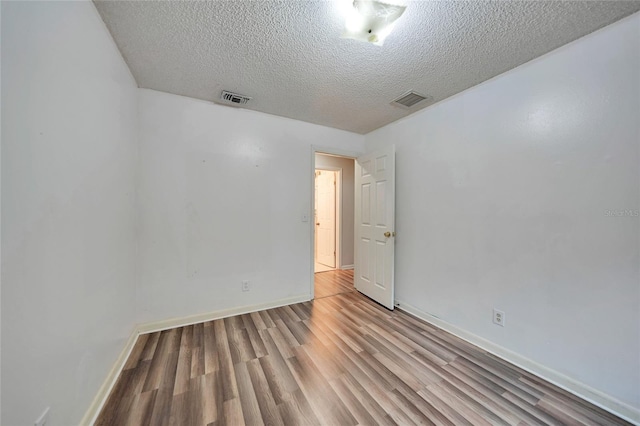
pixel 222 191
pixel 347 193
pixel 69 107
pixel 0 226
pixel 502 193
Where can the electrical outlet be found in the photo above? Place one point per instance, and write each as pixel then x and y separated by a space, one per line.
pixel 498 317
pixel 245 286
pixel 43 420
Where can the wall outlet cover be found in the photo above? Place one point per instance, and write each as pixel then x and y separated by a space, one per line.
pixel 498 317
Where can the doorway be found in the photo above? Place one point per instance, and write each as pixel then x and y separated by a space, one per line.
pixel 372 236
pixel 333 221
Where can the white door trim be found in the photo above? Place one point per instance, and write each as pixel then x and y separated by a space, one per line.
pixel 318 149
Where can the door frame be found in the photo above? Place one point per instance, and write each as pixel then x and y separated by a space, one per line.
pixel 338 213
pixel 319 149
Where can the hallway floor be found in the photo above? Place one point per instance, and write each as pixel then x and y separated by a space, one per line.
pixel 333 282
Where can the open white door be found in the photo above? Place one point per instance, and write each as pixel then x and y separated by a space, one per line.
pixel 326 218
pixel 374 233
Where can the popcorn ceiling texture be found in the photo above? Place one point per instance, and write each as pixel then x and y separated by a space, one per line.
pixel 288 55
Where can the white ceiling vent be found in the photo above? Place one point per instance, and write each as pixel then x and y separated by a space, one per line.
pixel 409 99
pixel 234 98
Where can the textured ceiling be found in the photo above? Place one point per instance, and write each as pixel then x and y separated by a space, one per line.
pixel 288 55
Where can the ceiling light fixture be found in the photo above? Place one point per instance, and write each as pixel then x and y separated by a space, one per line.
pixel 371 21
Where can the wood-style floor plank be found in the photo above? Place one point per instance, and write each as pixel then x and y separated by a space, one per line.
pixel 334 282
pixel 338 360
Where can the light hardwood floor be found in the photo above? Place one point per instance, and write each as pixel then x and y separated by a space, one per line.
pixel 333 282
pixel 319 267
pixel 339 360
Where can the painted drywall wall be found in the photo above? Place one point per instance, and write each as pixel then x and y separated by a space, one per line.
pixel 347 192
pixel 69 108
pixel 523 194
pixel 222 192
pixel 0 221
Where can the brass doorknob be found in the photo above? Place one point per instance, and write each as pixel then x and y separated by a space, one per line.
pixel 387 234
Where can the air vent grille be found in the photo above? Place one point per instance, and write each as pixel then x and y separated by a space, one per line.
pixel 409 99
pixel 234 98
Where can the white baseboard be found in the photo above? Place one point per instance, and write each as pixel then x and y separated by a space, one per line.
pixel 90 416
pixel 594 396
pixel 152 327
pixel 346 267
pixel 101 397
